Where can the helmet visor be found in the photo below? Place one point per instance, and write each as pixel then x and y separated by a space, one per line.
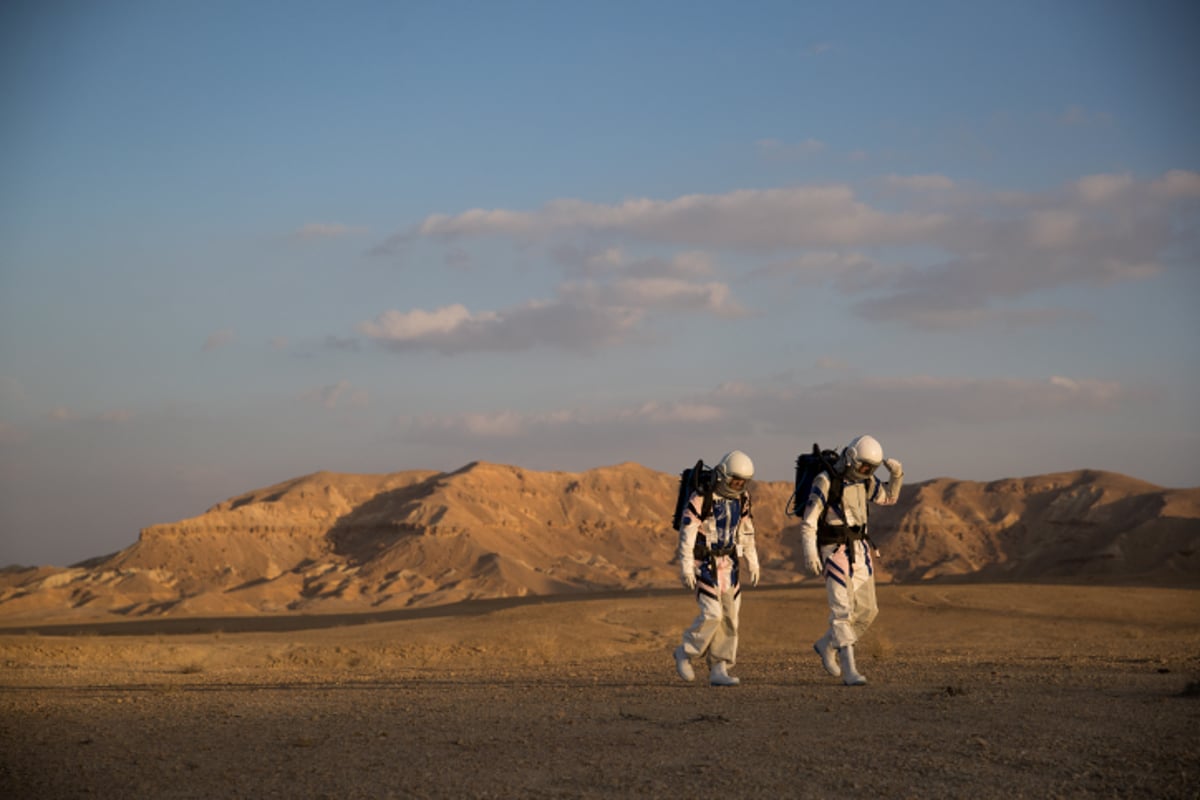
pixel 735 483
pixel 865 469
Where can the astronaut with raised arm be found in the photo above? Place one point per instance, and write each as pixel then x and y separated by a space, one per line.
pixel 835 542
pixel 716 541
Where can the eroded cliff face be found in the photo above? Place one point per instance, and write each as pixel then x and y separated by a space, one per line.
pixel 1066 525
pixel 332 542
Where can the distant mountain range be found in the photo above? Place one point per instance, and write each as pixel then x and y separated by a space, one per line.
pixel 338 543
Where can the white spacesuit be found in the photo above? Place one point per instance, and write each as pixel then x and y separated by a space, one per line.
pixel 834 540
pixel 716 541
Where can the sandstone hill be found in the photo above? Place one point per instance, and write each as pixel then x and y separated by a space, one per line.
pixel 341 543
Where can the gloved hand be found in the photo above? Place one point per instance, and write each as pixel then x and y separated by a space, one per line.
pixel 755 574
pixel 893 467
pixel 687 574
pixel 811 558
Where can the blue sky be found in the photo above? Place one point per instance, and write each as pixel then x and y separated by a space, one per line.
pixel 242 242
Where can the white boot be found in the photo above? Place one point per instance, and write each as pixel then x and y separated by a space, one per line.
pixel 683 665
pixel 850 674
pixel 717 676
pixel 828 653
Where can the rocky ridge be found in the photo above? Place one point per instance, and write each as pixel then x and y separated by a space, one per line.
pixel 340 543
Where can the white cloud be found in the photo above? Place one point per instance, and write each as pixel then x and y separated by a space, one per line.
pixel 1054 229
pixel 1101 229
pixel 454 329
pixel 970 254
pixel 419 324
pixel 616 261
pixel 658 293
pixel 1177 184
pixel 751 219
pixel 583 316
pixel 1100 189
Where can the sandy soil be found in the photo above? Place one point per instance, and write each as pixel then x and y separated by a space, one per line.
pixel 976 691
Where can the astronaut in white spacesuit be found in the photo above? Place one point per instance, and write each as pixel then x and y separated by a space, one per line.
pixel 716 542
pixel 834 541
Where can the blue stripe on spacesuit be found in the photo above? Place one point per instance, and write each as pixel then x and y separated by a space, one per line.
pixel 831 575
pixel 834 573
pixel 726 514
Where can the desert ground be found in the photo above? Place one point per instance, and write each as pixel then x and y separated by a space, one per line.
pixel 1000 690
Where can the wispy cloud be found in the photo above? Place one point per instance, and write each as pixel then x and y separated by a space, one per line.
pixel 508 424
pixel 339 393
pixel 548 323
pixel 747 219
pixel 615 261
pixel 605 307
pixel 914 403
pixel 1099 230
pixel 979 251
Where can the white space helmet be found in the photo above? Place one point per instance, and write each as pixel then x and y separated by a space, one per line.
pixel 862 457
pixel 733 473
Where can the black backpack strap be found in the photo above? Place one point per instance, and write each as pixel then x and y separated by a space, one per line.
pixel 836 484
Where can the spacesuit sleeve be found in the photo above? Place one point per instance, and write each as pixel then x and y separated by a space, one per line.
pixel 689 526
pixel 746 540
pixel 815 506
pixel 886 494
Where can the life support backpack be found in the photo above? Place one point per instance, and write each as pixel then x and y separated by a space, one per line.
pixel 808 467
pixel 700 478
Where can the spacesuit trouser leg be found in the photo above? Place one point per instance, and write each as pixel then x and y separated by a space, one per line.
pixel 714 633
pixel 851 593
